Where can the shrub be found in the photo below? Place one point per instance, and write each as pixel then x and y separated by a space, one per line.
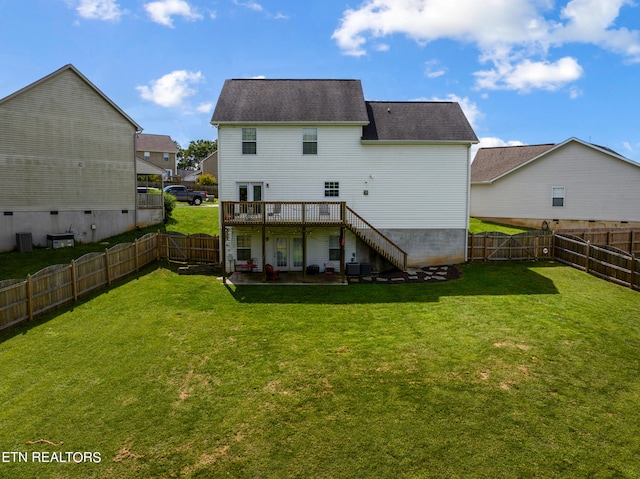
pixel 207 179
pixel 170 202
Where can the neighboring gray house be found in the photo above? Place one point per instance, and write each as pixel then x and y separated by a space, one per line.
pixel 573 184
pixel 159 150
pixel 303 164
pixel 67 154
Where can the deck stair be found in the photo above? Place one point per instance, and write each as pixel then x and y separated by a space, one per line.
pixel 376 240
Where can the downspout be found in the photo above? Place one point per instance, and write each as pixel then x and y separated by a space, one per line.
pixel 466 228
pixel 135 178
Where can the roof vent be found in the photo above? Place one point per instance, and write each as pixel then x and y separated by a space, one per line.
pixel 388 110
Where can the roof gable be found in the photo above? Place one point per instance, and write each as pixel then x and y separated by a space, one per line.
pixel 417 121
pixel 491 164
pixel 292 101
pixel 71 68
pixel 157 143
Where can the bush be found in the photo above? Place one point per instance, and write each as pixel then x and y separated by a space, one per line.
pixel 170 202
pixel 207 179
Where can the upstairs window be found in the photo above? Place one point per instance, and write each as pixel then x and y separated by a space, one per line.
pixel 147 156
pixel 249 141
pixel 557 196
pixel 331 189
pixel 309 141
pixel 166 157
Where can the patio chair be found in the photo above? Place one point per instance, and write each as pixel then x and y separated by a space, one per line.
pixel 329 268
pixel 272 274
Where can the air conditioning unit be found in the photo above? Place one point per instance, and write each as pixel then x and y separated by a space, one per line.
pixel 63 240
pixel 24 242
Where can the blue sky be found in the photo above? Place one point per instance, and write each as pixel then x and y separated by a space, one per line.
pixel 524 71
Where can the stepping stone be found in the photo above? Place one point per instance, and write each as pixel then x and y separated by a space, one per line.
pixel 397 279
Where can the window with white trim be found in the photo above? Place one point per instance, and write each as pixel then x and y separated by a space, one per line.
pixel 243 247
pixel 557 196
pixel 147 156
pixel 309 141
pixel 249 141
pixel 334 248
pixel 166 157
pixel 331 189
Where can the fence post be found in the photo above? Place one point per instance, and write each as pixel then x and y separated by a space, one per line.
pixel 74 280
pixel 29 297
pixel 107 266
pixel 588 253
pixel 135 252
pixel 484 248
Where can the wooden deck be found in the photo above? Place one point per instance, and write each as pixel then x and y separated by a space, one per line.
pixel 308 213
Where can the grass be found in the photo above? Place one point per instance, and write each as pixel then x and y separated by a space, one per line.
pixel 515 370
pixel 185 219
pixel 479 226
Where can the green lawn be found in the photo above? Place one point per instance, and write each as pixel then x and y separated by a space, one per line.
pixel 514 370
pixel 479 226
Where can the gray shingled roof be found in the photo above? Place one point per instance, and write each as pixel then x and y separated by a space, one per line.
pixel 256 101
pixel 157 143
pixel 417 121
pixel 491 163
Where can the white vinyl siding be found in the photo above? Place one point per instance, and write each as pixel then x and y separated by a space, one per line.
pixel 409 186
pixel 601 188
pixel 62 136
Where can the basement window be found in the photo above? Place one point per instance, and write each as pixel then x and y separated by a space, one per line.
pixel 334 248
pixel 243 250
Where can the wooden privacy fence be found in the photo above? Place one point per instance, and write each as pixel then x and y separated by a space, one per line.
pixel 492 246
pixel 57 285
pixel 624 239
pixel 606 262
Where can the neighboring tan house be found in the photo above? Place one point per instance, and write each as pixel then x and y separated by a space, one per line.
pixel 74 150
pixel 159 150
pixel 310 173
pixel 573 184
pixel 209 166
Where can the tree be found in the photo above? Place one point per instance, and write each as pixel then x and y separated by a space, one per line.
pixel 197 151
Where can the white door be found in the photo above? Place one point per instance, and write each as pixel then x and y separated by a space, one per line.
pixel 288 253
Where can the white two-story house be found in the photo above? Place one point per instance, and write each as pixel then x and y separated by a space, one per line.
pixel 312 174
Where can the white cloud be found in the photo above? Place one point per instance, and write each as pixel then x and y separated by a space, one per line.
pixel 172 89
pixel 515 36
pixel 528 75
pixel 163 11
pixel 98 9
pixel 250 4
pixel 492 142
pixel 205 107
pixel 433 69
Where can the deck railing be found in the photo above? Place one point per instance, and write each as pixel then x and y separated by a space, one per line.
pixel 375 239
pixel 283 213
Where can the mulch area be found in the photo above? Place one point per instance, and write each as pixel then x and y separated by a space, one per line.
pixel 428 274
